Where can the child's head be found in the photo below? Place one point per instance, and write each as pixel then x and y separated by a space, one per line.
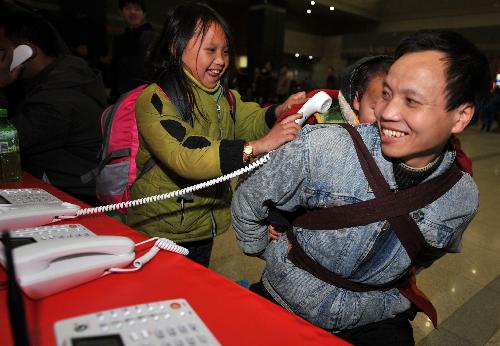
pixel 133 12
pixel 362 85
pixel 431 91
pixel 195 37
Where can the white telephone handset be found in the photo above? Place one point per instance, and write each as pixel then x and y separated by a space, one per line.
pixel 46 268
pixel 21 53
pixel 320 102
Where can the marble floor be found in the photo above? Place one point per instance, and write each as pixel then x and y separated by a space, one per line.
pixel 464 287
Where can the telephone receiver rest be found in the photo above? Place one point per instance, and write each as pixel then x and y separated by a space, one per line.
pixel 32 215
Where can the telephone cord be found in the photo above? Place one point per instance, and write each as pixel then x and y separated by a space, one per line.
pixel 177 193
pixel 160 244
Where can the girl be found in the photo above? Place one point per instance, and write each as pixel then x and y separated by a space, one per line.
pixel 202 140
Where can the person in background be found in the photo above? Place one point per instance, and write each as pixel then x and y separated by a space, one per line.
pixel 283 84
pixel 491 110
pixel 331 79
pixel 130 49
pixel 55 101
pixel 432 90
pixel 268 80
pixel 195 52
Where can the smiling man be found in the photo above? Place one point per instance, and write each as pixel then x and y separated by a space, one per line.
pixel 347 274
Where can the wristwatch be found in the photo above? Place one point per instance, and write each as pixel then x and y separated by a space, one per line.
pixel 247 152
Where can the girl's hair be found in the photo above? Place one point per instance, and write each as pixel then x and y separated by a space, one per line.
pixel 165 61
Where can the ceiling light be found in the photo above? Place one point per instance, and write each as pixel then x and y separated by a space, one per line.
pixel 310 57
pixel 332 8
pixel 297 55
pixel 313 3
pixel 308 11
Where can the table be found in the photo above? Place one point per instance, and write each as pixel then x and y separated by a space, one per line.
pixel 235 315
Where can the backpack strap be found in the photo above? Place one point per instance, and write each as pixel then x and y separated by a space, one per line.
pixel 361 213
pixel 393 206
pixel 172 90
pixel 232 103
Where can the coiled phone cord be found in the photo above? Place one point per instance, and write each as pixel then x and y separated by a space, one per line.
pixel 161 243
pixel 177 193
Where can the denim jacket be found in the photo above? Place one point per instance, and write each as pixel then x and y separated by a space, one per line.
pixel 320 169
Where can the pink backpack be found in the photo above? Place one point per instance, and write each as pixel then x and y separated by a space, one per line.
pixel 117 169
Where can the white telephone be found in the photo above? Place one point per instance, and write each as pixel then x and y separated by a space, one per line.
pixel 20 208
pixel 48 267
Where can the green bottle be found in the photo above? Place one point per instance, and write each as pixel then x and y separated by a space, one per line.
pixel 10 159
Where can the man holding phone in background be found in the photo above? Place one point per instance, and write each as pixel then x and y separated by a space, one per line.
pixel 54 100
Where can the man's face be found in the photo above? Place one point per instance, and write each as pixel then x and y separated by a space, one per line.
pixel 207 58
pixel 412 118
pixel 373 93
pixel 5 43
pixel 133 15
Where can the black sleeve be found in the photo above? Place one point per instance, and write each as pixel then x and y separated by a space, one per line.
pixel 271 116
pixel 231 155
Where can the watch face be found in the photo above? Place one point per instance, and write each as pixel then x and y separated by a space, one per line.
pixel 248 150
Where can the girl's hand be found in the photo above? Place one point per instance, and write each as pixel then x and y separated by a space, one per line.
pixel 286 131
pixel 297 98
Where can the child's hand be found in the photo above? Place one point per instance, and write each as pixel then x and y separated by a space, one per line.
pixel 297 98
pixel 280 134
pixel 273 233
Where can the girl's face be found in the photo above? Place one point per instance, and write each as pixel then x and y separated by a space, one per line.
pixel 207 58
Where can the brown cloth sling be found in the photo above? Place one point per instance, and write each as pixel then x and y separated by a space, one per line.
pixel 393 206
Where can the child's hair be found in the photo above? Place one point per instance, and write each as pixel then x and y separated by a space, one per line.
pixel 357 76
pixel 140 3
pixel 165 62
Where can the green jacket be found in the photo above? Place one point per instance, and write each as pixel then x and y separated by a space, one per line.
pixel 187 155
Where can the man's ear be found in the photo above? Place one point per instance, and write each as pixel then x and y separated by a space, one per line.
pixel 355 103
pixel 463 116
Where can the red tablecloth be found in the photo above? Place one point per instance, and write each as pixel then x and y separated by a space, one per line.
pixel 234 315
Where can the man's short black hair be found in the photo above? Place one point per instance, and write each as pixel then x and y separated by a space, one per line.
pixel 140 3
pixel 468 74
pixel 27 27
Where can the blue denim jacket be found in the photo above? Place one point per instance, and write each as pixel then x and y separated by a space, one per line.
pixel 321 169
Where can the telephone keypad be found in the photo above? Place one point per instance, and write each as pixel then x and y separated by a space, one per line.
pixel 170 322
pixel 49 232
pixel 28 196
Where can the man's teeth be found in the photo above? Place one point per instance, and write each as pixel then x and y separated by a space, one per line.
pixel 215 71
pixel 393 133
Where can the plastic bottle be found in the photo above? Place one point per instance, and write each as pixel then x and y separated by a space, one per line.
pixel 10 159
